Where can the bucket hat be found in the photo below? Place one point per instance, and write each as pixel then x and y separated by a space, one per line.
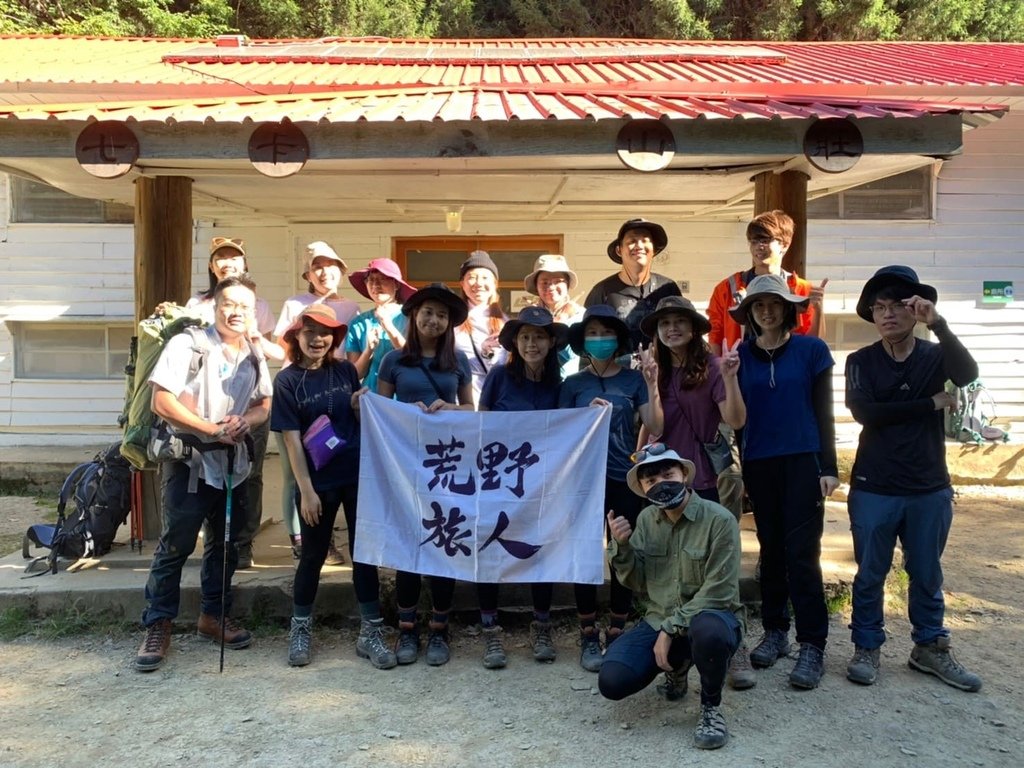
pixel 386 267
pixel 766 285
pixel 652 454
pixel 678 305
pixel 893 275
pixel 322 314
pixel 658 237
pixel 457 310
pixel 318 249
pixel 607 316
pixel 554 263
pixel 235 243
pixel 538 317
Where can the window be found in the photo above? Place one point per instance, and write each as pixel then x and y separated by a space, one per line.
pixel 437 259
pixel 64 351
pixel 904 196
pixel 33 203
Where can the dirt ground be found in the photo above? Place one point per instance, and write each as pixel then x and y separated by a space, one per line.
pixel 78 702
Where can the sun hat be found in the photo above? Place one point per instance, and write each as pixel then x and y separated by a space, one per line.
pixel 652 454
pixel 322 314
pixel 538 317
pixel 386 267
pixel 658 237
pixel 549 262
pixel 457 310
pixel 606 315
pixel 318 249
pixel 478 260
pixel 766 285
pixel 235 243
pixel 893 275
pixel 675 305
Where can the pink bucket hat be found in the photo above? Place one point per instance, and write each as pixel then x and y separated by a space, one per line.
pixel 388 268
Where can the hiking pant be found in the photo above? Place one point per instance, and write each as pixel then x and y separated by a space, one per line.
pixel 541 593
pixel 730 481
pixel 709 642
pixel 254 486
pixel 184 514
pixel 921 523
pixel 316 539
pixel 619 497
pixel 790 517
pixel 289 513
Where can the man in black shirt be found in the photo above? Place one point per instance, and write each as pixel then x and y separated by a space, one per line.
pixel 900 485
pixel 634 291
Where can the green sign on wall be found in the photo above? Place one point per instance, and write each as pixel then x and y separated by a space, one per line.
pixel 997 291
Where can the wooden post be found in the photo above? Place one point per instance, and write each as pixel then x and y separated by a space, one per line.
pixel 163 272
pixel 788 191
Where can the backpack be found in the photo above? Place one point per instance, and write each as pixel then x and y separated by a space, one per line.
pixel 101 492
pixel 137 419
pixel 970 421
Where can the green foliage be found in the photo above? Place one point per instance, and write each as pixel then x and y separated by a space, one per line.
pixel 71 620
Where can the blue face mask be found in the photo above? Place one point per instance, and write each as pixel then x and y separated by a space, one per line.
pixel 600 347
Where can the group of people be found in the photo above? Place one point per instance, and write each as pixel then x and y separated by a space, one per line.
pixel 693 423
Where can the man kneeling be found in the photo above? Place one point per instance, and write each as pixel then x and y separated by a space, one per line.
pixel 685 555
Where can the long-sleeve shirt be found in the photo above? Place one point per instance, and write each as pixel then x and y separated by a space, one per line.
pixel 902 448
pixel 684 568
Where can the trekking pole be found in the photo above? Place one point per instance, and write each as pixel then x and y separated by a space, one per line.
pixel 227 543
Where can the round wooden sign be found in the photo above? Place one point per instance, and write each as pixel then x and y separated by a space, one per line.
pixel 278 149
pixel 106 149
pixel 645 145
pixel 833 145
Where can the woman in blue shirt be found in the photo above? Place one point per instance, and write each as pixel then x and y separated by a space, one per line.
pixel 602 336
pixel 528 381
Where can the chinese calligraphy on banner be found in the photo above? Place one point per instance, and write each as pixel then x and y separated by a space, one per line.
pixel 487 497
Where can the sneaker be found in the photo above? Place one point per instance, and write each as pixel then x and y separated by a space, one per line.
pixel 863 667
pixel 494 651
pixel 244 557
pixel 438 652
pixel 710 732
pixel 154 647
pixel 675 685
pixel 300 641
pixel 235 636
pixel 543 645
pixel 370 644
pixel 590 650
pixel 741 675
pixel 334 555
pixel 937 659
pixel 407 648
pixel 809 667
pixel 773 645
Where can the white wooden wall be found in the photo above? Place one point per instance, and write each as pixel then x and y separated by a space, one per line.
pixel 85 271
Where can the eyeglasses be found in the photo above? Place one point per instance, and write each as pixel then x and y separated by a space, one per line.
pixel 764 240
pixel 654 449
pixel 233 307
pixel 897 308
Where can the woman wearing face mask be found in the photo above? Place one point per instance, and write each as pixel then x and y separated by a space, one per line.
pixel 477 336
pixel 552 282
pixel 789 467
pixel 322 272
pixel 603 336
pixel 429 372
pixel 375 332
pixel 529 381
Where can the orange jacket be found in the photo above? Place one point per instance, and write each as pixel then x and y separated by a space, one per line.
pixel 724 330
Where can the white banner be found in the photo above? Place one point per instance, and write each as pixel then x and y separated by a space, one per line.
pixel 488 497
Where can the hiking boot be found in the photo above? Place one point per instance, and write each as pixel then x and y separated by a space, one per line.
pixel 809 667
pixel 543 645
pixel 370 644
pixel 863 666
pixel 244 557
pixel 300 641
pixel 494 652
pixel 741 675
pixel 407 648
pixel 590 650
pixel 710 732
pixel 438 652
pixel 937 659
pixel 773 645
pixel 675 685
pixel 334 555
pixel 235 636
pixel 154 647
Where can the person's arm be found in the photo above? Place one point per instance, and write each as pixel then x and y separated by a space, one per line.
pixel 651 413
pixel 716 315
pixel 167 406
pixel 868 411
pixel 733 410
pixel 359 352
pixel 824 414
pixel 310 506
pixel 817 309
pixel 720 589
pixel 957 362
pixel 625 552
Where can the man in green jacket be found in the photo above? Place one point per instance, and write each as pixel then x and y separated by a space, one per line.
pixel 685 555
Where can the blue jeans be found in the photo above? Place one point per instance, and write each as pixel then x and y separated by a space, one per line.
pixel 710 641
pixel 183 516
pixel 921 523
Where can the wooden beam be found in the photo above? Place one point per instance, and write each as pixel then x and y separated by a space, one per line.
pixel 163 272
pixel 788 191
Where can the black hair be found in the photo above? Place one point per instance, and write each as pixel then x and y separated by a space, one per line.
pixel 645 471
pixel 243 280
pixel 516 366
pixel 893 292
pixel 294 352
pixel 625 343
pixel 789 318
pixel 412 352
pixel 209 292
pixel 695 369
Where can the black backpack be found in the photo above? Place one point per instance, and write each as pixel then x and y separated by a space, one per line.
pixel 101 491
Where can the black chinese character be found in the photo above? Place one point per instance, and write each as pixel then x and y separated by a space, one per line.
pixel 522 458
pixel 488 459
pixel 444 532
pixel 445 466
pixel 518 549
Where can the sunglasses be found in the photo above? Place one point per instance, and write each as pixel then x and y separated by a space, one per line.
pixel 648 451
pixel 217 242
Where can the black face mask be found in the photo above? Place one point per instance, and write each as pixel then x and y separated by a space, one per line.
pixel 668 494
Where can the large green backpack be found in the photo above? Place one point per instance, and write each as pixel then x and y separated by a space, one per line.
pixel 137 419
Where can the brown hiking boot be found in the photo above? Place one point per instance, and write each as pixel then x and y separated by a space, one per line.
pixel 154 648
pixel 235 637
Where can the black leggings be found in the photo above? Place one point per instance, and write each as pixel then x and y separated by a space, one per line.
pixel 626 504
pixel 487 594
pixel 316 539
pixel 407 591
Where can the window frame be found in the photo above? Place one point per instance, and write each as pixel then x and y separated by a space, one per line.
pixel 928 198
pixel 107 213
pixel 114 368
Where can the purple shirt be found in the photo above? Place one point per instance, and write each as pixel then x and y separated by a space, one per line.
pixel 692 417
